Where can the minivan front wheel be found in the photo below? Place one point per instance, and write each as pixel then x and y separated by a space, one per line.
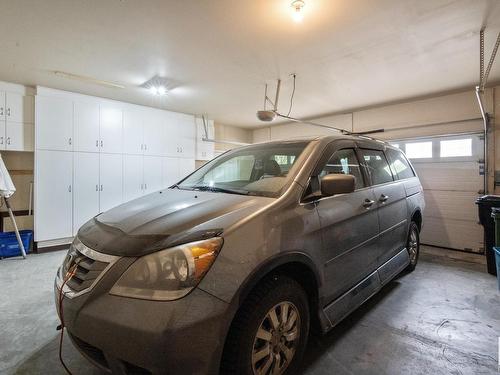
pixel 270 331
pixel 413 245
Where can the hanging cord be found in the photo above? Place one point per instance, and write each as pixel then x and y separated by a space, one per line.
pixel 71 272
pixel 293 94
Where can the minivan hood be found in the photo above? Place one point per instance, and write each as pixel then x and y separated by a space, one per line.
pixel 164 219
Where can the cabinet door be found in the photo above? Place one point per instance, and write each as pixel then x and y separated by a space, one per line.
pixel 170 171
pixel 111 129
pixel 86 188
pixel 154 133
pixel 152 174
pixel 2 105
pixel 15 107
pixel 53 195
pixel 171 128
pixel 186 167
pixel 111 181
pixel 86 125
pixel 54 125
pixel 132 177
pixel 186 133
pixel 19 136
pixel 2 135
pixel 133 131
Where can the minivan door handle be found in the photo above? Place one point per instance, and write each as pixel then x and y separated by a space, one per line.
pixel 367 203
pixel 383 198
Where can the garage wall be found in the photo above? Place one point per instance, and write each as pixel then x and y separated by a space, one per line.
pixel 440 115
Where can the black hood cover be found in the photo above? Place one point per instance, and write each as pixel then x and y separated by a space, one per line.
pixel 164 219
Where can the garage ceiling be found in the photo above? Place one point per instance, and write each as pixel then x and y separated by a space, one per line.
pixel 219 53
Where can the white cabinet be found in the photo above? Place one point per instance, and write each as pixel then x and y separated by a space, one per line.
pixel 86 126
pixel 186 167
pixel 18 107
pixel 181 135
pixel 2 106
pixel 175 169
pixel 53 196
pixel 154 133
pixel 16 122
pixel 86 188
pixel 132 177
pixel 111 129
pixel 54 123
pixel 170 171
pixel 133 130
pixel 18 136
pixel 204 149
pixel 111 181
pixel 152 174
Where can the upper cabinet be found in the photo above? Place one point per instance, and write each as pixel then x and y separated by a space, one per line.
pixel 86 126
pixel 154 133
pixel 181 135
pixel 54 123
pixel 16 121
pixel 111 130
pixel 133 119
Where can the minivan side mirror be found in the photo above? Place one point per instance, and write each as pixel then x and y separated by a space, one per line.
pixel 337 183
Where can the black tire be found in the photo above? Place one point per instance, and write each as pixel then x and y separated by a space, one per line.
pixel 272 293
pixel 413 237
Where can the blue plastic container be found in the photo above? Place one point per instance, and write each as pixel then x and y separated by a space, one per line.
pixel 9 246
pixel 497 259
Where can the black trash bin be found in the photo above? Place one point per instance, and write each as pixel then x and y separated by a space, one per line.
pixel 485 204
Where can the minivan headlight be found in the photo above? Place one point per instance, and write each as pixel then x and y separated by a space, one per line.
pixel 168 274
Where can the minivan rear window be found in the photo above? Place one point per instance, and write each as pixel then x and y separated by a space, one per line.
pixel 399 165
pixel 378 168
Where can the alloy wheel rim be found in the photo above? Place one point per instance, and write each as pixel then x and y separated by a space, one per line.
pixel 276 340
pixel 413 246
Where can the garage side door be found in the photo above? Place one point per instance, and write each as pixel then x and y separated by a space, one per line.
pixel 450 169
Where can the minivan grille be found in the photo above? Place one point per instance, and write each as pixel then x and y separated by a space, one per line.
pixel 87 271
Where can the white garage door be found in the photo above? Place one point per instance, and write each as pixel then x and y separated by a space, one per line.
pixel 451 171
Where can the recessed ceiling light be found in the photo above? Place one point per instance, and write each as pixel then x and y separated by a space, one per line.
pixel 157 85
pixel 298 10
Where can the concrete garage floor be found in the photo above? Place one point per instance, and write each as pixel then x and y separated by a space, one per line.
pixel 444 318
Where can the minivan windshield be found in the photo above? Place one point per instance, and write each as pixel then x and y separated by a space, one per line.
pixel 255 170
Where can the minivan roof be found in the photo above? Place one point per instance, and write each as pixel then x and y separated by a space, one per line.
pixel 328 138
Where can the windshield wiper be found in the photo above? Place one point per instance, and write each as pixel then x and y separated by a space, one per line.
pixel 216 189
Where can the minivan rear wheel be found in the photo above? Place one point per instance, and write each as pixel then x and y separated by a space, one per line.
pixel 413 246
pixel 270 331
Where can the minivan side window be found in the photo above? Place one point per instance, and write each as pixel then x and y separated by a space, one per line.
pixel 399 165
pixel 346 162
pixel 377 165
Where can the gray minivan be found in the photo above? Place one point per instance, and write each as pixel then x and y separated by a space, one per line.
pixel 228 270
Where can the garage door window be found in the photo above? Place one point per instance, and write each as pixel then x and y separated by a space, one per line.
pixel 399 165
pixel 378 167
pixel 419 150
pixel 456 147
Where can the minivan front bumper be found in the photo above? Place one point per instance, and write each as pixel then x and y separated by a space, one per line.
pixel 126 335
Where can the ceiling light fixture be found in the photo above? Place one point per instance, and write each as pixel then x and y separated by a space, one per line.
pixel 157 86
pixel 298 10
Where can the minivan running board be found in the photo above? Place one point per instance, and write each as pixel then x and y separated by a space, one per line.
pixel 355 297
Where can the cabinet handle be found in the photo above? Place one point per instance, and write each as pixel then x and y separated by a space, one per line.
pixel 8 140
pixel 96 143
pixel 142 186
pixel 145 146
pixel 69 141
pixel 8 112
pixel 69 188
pixel 101 188
pixel 145 186
pixel 1 111
pixel 102 143
pixel 1 140
pixel 97 188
